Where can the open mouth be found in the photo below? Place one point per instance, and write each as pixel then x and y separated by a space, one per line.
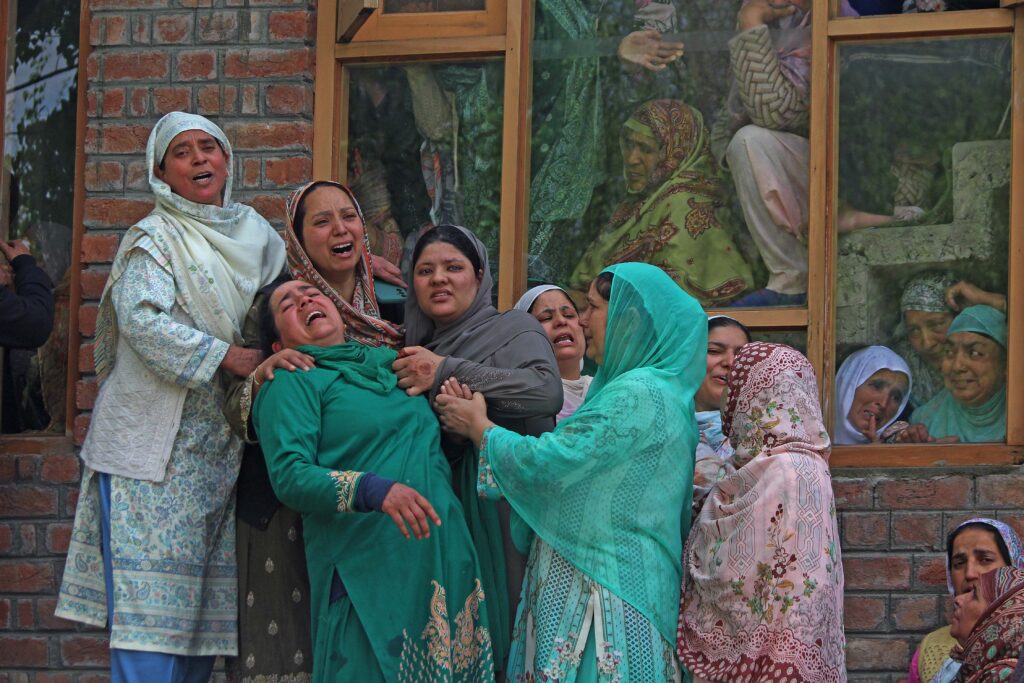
pixel 564 340
pixel 314 315
pixel 342 249
pixel 203 177
pixel 440 295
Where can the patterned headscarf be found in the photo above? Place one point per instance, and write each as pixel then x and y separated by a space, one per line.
pixel 362 315
pixel 927 293
pixel 994 646
pixel 773 404
pixel 677 128
pixel 1012 541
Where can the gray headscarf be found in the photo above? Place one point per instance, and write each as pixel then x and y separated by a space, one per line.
pixel 927 293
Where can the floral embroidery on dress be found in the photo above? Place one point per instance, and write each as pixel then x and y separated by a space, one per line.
pixel 347 482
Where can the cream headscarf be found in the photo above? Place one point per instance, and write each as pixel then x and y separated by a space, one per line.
pixel 219 257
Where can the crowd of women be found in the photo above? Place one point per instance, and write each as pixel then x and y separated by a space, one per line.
pixel 277 474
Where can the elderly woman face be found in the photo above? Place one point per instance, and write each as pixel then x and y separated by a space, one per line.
pixel 973 368
pixel 557 315
pixel 876 401
pixel 444 282
pixel 967 609
pixel 641 155
pixel 304 316
pixel 195 167
pixel 926 332
pixel 332 232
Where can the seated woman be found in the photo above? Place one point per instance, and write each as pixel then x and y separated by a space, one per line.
pixel 988 624
pixel 872 389
pixel 763 594
pixel 975 547
pixel 336 439
pixel 607 492
pixel 972 407
pixel 557 314
pixel 726 336
pixel 676 214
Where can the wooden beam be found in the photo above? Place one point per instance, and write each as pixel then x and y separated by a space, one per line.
pixel 766 318
pixel 1015 283
pixel 421 49
pixel 324 93
pixel 921 25
pixel 925 455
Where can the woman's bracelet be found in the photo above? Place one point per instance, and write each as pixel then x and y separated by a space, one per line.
pixel 256 382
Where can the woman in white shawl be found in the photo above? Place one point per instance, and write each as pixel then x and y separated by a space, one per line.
pixel 557 314
pixel 152 551
pixel 872 390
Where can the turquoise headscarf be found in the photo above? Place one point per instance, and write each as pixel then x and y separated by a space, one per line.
pixel 610 488
pixel 943 415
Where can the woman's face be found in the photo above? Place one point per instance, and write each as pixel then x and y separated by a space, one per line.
pixel 967 609
pixel 974 367
pixel 876 401
pixel 195 167
pixel 304 316
pixel 926 333
pixel 560 321
pixel 723 343
pixel 444 282
pixel 974 553
pixel 595 322
pixel 332 232
pixel 641 155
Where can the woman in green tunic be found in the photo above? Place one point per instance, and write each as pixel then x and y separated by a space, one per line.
pixel 337 440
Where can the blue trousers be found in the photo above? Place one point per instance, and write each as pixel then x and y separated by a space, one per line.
pixel 134 666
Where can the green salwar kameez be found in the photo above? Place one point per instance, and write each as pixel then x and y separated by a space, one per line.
pixel 417 604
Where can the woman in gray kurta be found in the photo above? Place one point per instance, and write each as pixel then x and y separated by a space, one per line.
pixel 152 552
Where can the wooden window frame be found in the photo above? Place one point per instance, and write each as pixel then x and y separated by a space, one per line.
pixel 817 318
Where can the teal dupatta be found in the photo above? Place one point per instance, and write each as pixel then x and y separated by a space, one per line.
pixel 610 489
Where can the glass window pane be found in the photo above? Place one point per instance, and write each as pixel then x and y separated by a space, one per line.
pixel 39 176
pixel 870 7
pixel 424 148
pixel 662 133
pixel 923 191
pixel 418 6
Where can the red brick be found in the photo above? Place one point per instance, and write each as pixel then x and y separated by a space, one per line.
pixel 141 28
pixel 138 101
pixel 916 612
pixel 111 212
pixel 45 607
pixel 166 100
pixel 115 30
pixel 127 4
pixel 879 653
pixel 113 102
pixel 917 531
pixel 86 362
pixel 7 467
pixel 91 104
pixel 196 65
pixel 136 65
pixel 173 29
pixel 23 651
pixel 6 539
pixel 5 614
pixel 92 139
pixel 930 572
pixel 251 172
pixel 95 30
pixel 293 25
pixel 85 394
pixel 852 494
pixel 218 27
pixel 266 62
pixel 121 139
pixel 864 612
pixel 92 283
pixel 92 66
pixel 28 466
pixel 85 651
pixel 284 99
pixel 26 615
pixel 285 172
pixel 208 99
pixel 79 431
pixel 26 577
pixel 21 500
pixel 1001 491
pixel 104 176
pixel 94 678
pixel 60 469
pixel 196 3
pixel 229 99
pixel 137 176
pixel 250 101
pixel 877 572
pixel 57 538
pixel 270 207
pixel 954 519
pixel 269 136
pixel 938 493
pixel 53 676
pixel 866 530
pixel 87 320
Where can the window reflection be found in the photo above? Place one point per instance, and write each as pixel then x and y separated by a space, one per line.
pixel 923 136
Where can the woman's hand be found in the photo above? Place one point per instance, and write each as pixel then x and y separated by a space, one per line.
pixel 285 359
pixel 386 271
pixel 462 411
pixel 649 50
pixel 416 368
pixel 241 361
pixel 919 434
pixel 758 12
pixel 406 506
pixel 972 295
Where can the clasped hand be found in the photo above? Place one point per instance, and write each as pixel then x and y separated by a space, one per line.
pixel 460 410
pixel 649 49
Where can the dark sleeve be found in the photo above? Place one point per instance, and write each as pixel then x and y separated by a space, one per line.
pixel 371 492
pixel 26 314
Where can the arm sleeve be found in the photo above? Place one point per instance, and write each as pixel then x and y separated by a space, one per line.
pixel 143 299
pixel 238 395
pixel 525 382
pixel 771 100
pixel 26 314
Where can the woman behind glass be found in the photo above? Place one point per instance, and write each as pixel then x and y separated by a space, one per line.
pixel 557 314
pixel 873 388
pixel 157 492
pixel 607 492
pixel 453 331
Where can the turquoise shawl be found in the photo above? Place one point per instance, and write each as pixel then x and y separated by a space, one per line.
pixel 610 489
pixel 943 415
